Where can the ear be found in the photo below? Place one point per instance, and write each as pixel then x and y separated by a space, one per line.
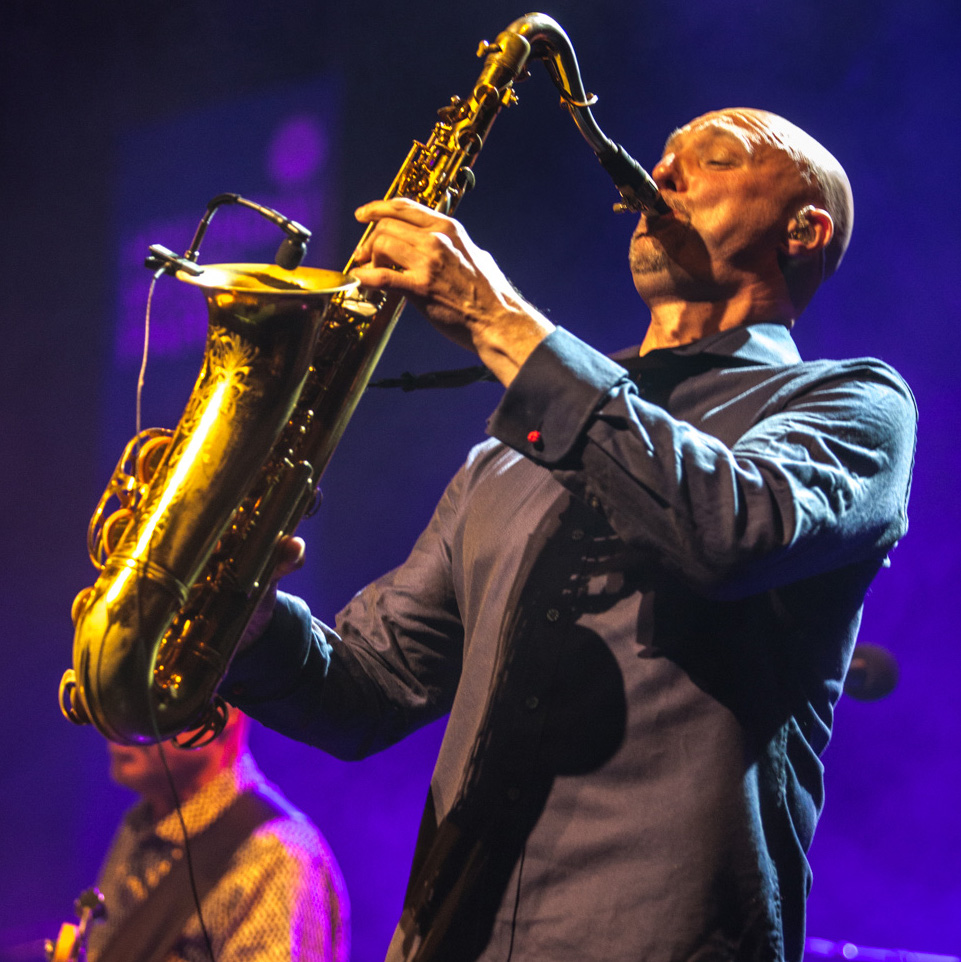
pixel 809 232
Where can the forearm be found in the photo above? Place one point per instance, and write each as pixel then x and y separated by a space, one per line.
pixel 815 483
pixel 503 347
pixel 391 666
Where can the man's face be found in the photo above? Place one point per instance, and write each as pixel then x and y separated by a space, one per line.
pixel 139 768
pixel 731 193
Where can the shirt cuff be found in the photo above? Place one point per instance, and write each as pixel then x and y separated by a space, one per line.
pixel 557 391
pixel 273 666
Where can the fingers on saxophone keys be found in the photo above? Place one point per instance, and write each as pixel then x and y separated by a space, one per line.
pixel 403 209
pixel 376 210
pixel 382 277
pixel 376 243
pixel 395 248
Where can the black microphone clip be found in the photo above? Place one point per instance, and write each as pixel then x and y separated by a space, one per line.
pixel 162 258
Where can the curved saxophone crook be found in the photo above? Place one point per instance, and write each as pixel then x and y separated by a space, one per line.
pixel 551 44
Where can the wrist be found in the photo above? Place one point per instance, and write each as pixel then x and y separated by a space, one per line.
pixel 504 345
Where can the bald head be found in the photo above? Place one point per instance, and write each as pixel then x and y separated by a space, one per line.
pixel 821 178
pixel 759 213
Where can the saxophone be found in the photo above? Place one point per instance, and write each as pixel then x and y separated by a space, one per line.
pixel 186 557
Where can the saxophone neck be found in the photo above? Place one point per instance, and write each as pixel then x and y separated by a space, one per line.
pixel 549 43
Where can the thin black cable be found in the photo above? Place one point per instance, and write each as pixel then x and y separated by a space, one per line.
pixel 143 362
pixel 148 668
pixel 183 828
pixel 301 235
pixel 459 377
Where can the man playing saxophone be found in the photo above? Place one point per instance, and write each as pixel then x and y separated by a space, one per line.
pixel 637 601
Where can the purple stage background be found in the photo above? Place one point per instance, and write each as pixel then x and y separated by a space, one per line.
pixel 119 121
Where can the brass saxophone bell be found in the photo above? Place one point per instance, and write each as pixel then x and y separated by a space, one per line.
pixel 149 647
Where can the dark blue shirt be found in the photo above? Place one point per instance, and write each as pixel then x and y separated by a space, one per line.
pixel 638 606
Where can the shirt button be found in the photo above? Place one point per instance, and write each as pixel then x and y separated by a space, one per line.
pixel 594 501
pixel 577 535
pixel 553 614
pixel 531 702
pixel 513 793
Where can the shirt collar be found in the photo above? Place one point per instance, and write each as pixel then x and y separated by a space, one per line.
pixel 764 343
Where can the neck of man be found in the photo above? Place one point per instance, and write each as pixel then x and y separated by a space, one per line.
pixel 188 780
pixel 160 802
pixel 676 321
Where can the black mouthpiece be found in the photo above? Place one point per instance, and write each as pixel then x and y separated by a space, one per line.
pixel 634 183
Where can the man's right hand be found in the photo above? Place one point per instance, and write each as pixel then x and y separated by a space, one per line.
pixel 459 288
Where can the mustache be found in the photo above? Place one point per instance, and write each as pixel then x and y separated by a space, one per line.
pixel 676 212
pixel 675 208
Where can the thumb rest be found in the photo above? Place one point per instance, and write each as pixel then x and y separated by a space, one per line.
pixel 187 557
